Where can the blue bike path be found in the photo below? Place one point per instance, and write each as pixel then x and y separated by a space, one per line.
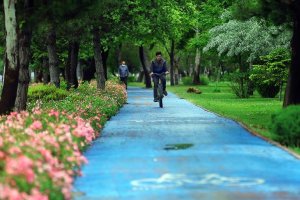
pixel 183 152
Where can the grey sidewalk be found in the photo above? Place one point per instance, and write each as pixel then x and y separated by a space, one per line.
pixel 183 152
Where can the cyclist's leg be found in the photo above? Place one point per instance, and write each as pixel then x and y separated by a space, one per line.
pixel 164 83
pixel 155 81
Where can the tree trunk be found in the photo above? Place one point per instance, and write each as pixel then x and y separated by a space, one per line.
pixel 118 56
pixel 146 71
pixel 67 76
pixel 71 67
pixel 104 55
pixel 172 55
pixel 292 94
pixel 74 62
pixel 196 74
pixel 24 76
pixel 46 74
pixel 176 70
pixel 53 58
pixel 79 71
pixel 141 76
pixel 38 75
pixel 11 62
pixel 98 59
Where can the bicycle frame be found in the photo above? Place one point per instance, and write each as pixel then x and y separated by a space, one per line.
pixel 160 93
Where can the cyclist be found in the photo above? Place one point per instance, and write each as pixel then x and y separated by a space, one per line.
pixel 158 66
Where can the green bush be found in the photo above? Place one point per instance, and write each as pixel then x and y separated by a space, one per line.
pixel 131 79
pixel 286 125
pixel 46 92
pixel 240 84
pixel 204 80
pixel 267 91
pixel 271 73
pixel 187 80
pixel 89 103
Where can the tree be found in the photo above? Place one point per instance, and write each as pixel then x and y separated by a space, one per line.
pixel 206 15
pixel 292 95
pixel 281 12
pixel 173 24
pixel 246 41
pixel 271 74
pixel 11 66
pixel 251 38
pixel 24 57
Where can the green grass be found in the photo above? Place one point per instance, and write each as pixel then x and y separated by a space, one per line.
pixel 254 112
pixel 136 84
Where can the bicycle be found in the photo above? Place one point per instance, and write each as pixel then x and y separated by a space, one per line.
pixel 160 90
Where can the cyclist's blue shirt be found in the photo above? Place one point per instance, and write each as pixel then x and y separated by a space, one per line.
pixel 158 67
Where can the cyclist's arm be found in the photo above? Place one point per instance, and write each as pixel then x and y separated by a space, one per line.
pixel 151 68
pixel 165 68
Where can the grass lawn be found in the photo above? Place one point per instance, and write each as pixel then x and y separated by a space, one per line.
pixel 254 112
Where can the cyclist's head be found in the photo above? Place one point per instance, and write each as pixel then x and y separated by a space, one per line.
pixel 158 55
pixel 123 62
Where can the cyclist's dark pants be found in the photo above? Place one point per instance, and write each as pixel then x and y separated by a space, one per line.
pixel 124 80
pixel 155 81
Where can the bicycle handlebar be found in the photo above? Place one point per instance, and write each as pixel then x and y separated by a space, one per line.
pixel 164 73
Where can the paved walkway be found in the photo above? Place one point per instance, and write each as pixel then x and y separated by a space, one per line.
pixel 183 152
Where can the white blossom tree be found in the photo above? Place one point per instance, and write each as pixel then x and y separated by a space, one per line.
pixel 251 38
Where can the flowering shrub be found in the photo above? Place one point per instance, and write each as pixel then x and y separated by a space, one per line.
pixel 47 92
pixel 40 151
pixel 88 103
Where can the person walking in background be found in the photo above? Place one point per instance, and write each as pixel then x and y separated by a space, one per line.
pixel 124 73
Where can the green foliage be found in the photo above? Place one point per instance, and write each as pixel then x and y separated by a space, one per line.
pixel 272 73
pixel 240 84
pixel 86 102
pixel 204 80
pixel 251 38
pixel 113 78
pixel 131 79
pixel 268 91
pixel 245 9
pixel 46 93
pixel 187 80
pixel 206 17
pixel 286 125
pixel 1 66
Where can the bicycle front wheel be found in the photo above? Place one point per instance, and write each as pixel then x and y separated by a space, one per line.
pixel 161 102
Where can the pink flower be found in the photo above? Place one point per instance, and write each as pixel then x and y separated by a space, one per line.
pixel 36 195
pixel 2 155
pixel 14 150
pixel 53 113
pixel 36 125
pixel 21 165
